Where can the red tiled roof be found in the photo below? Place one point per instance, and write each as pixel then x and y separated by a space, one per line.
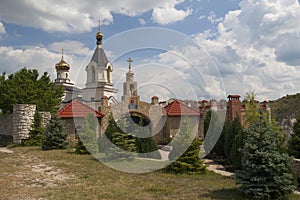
pixel 178 109
pixel 76 109
pixel 155 97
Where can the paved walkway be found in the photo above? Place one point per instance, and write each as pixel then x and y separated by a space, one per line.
pixel 217 168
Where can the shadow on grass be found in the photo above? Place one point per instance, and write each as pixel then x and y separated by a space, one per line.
pixel 231 194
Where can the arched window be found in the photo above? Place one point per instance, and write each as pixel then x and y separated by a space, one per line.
pixel 131 89
pixel 108 78
pixel 93 74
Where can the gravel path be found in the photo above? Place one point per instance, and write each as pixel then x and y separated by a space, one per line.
pixel 5 150
pixel 217 168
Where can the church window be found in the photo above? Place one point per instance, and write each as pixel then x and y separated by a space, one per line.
pixel 92 74
pixel 109 74
pixel 131 89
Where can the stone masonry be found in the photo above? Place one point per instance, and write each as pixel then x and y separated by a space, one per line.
pixel 22 121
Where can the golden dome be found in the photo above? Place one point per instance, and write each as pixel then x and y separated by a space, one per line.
pixel 99 35
pixel 62 65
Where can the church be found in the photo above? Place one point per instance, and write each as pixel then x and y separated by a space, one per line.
pixel 99 97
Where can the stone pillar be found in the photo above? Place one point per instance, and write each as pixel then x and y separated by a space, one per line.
pixel 23 117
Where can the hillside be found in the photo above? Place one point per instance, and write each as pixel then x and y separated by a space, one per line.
pixel 287 106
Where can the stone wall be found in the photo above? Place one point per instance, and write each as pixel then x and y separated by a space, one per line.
pixel 46 117
pixel 6 124
pixel 296 168
pixel 23 115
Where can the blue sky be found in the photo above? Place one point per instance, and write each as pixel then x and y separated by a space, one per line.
pixel 190 49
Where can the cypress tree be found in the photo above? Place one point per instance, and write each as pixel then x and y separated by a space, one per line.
pixel 87 138
pixel 55 135
pixel 294 142
pixel 236 144
pixel 145 144
pixel 122 144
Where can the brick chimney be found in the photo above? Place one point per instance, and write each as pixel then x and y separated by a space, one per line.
pixel 234 107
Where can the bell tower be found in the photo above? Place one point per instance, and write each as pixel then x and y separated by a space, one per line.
pixel 130 95
pixel 62 71
pixel 99 74
pixel 63 79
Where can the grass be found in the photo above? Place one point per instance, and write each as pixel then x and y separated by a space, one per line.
pixel 31 173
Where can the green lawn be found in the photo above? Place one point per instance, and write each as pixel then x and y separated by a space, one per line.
pixel 31 173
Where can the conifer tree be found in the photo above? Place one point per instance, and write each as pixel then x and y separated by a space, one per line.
pixel 123 143
pixel 294 142
pixel 105 139
pixel 189 162
pixel 145 144
pixel 36 134
pixel 55 135
pixel 228 137
pixel 87 142
pixel 234 153
pixel 266 171
pixel 214 142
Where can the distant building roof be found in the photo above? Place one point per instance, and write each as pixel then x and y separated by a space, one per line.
pixel 233 96
pixel 76 109
pixel 178 109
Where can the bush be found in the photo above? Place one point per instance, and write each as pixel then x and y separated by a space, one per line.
pixel 189 162
pixel 266 171
pixel 55 135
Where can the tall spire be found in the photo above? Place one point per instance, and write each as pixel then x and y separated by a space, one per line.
pixel 99 35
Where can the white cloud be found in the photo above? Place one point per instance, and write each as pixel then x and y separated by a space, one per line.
pixel 212 18
pixel 257 48
pixel 71 47
pixel 12 60
pixel 80 16
pixel 142 21
pixel 2 28
pixel 167 13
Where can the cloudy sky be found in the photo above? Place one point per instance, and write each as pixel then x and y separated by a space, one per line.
pixel 189 49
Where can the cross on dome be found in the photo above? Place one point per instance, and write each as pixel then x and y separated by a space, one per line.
pixel 129 63
pixel 62 53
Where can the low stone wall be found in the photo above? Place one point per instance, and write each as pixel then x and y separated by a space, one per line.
pixel 296 168
pixel 6 124
pixel 18 124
